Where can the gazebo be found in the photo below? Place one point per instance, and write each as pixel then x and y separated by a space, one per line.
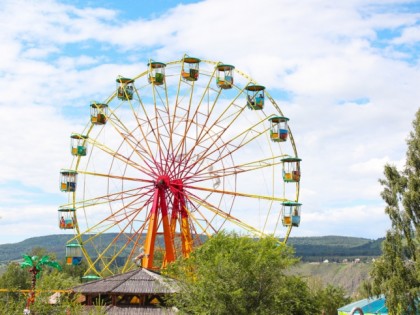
pixel 140 291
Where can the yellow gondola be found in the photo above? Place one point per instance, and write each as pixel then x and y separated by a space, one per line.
pixel 68 180
pixel 190 68
pixel 98 113
pixel 156 72
pixel 125 88
pixel 224 76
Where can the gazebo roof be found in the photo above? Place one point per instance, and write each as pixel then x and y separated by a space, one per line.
pixel 139 281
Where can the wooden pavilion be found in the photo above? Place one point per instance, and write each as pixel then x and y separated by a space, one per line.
pixel 140 291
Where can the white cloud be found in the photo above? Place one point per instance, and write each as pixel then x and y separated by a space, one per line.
pixel 410 35
pixel 27 220
pixel 57 58
pixel 358 221
pixel 374 166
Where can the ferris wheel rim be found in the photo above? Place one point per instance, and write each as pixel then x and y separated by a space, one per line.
pixel 79 233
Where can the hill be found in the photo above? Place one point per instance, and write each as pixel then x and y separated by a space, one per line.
pixel 349 276
pixel 309 249
pixel 335 248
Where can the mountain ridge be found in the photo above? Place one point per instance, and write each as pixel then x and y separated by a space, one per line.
pixel 318 248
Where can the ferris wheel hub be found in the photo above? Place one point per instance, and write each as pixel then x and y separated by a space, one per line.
pixel 162 181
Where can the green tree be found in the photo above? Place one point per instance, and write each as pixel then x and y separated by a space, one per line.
pixel 331 298
pixel 397 272
pixel 230 274
pixel 52 285
pixel 14 278
pixel 56 284
pixel 35 265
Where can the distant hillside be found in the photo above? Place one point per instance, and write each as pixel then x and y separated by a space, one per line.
pixel 52 243
pixel 333 248
pixel 349 276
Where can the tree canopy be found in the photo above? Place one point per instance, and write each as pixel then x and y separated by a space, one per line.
pixel 231 274
pixel 16 277
pixel 397 272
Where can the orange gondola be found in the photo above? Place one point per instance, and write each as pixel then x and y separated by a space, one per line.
pixel 190 68
pixel 224 76
pixel 98 113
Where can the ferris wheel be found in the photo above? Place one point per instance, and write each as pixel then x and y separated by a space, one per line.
pixel 175 154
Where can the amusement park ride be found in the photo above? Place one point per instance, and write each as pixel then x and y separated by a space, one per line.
pixel 173 155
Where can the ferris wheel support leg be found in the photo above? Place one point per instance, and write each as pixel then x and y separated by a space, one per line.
pixel 149 245
pixel 167 231
pixel 180 206
pixel 187 244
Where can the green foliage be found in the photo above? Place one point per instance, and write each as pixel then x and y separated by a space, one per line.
pixel 14 278
pixel 397 272
pixel 56 281
pixel 331 298
pixel 12 306
pixel 230 274
pixel 41 305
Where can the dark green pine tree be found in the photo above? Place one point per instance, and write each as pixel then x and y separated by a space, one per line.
pixel 397 273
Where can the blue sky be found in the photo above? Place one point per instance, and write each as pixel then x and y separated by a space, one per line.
pixel 347 73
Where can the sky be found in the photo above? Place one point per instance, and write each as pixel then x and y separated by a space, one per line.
pixel 347 73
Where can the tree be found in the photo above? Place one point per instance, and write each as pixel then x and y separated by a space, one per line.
pixel 14 278
pixel 59 282
pixel 35 265
pixel 230 274
pixel 14 302
pixel 331 298
pixel 397 272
